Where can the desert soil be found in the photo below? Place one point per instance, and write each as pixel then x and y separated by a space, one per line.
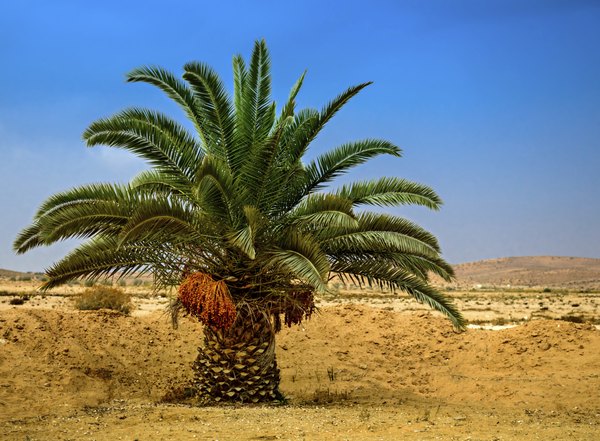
pixel 355 371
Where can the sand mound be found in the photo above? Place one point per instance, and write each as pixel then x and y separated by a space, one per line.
pixel 63 363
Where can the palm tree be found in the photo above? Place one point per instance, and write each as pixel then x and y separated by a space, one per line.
pixel 234 218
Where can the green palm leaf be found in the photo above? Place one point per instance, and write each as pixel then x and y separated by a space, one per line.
pixel 244 238
pixel 338 161
pixel 319 210
pixel 256 112
pixel 385 275
pixel 301 255
pixel 390 192
pixel 175 89
pixel 163 219
pixel 153 181
pixel 102 258
pixel 80 212
pixel 150 135
pixel 376 222
pixel 28 238
pixel 326 114
pixel 213 104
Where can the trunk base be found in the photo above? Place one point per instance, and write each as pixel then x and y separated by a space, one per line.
pixel 238 365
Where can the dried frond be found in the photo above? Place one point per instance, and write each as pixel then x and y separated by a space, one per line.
pixel 301 306
pixel 173 310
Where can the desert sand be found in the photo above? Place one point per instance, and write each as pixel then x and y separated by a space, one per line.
pixel 354 371
pixel 367 367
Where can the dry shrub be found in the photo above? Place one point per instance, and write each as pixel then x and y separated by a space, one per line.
pixel 573 318
pixel 18 300
pixel 104 297
pixel 327 396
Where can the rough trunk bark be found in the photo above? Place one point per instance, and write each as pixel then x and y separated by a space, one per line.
pixel 238 364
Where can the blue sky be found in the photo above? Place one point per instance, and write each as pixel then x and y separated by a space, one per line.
pixel 496 103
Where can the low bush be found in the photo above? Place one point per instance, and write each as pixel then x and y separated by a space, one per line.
pixel 573 318
pixel 18 300
pixel 104 297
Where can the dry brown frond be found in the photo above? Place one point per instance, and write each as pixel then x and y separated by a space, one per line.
pixel 301 306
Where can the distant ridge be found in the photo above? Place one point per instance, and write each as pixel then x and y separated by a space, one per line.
pixel 9 273
pixel 544 271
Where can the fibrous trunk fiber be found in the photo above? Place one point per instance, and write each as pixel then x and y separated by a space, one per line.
pixel 238 364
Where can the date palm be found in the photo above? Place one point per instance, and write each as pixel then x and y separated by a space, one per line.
pixel 233 217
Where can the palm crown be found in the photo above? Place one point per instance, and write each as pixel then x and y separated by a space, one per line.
pixel 235 202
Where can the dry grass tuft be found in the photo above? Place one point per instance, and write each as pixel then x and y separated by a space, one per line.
pixel 104 297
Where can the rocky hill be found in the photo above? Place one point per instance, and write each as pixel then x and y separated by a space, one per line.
pixel 544 271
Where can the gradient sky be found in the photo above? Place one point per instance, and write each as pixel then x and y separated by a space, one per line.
pixel 495 103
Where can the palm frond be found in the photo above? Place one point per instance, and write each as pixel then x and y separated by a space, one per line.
pixel 420 266
pixel 84 220
pixel 377 241
pixel 385 275
pixel 294 137
pixel 339 160
pixel 256 113
pixel 214 105
pixel 153 181
pixel 239 80
pixel 289 106
pixel 164 220
pixel 28 238
pixel 255 177
pixel 319 210
pixel 80 212
pixel 302 256
pixel 244 238
pixel 84 194
pixel 326 114
pixel 102 257
pixel 215 191
pixel 379 222
pixel 390 192
pixel 338 102
pixel 175 89
pixel 150 135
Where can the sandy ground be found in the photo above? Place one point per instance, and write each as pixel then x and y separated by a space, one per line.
pixel 355 372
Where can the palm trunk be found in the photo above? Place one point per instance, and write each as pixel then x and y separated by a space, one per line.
pixel 238 364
